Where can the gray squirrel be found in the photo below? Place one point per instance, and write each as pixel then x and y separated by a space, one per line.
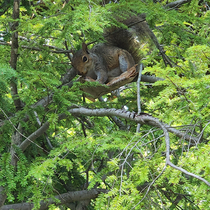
pixel 105 62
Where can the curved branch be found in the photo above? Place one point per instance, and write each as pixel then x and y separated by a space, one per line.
pixel 188 173
pixel 142 119
pixel 63 198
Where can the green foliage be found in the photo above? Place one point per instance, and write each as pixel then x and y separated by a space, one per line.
pixel 7 74
pixel 81 152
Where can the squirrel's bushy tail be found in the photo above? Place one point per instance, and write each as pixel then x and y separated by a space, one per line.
pixel 131 38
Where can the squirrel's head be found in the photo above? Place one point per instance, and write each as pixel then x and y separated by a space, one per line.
pixel 82 60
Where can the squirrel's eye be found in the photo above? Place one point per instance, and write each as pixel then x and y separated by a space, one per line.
pixel 84 59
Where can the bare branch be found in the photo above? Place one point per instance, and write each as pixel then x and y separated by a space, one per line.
pixel 150 79
pixel 188 173
pixel 142 118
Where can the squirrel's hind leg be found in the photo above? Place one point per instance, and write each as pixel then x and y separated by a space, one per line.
pixel 123 63
pixel 126 61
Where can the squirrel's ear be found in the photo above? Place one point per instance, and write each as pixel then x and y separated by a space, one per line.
pixel 84 48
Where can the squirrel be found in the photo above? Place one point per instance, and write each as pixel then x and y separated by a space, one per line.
pixel 105 62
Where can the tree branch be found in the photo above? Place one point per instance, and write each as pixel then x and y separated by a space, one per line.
pixel 188 173
pixel 14 53
pixel 63 198
pixel 34 136
pixel 176 4
pixel 142 119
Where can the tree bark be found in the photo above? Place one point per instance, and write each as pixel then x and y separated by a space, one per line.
pixel 176 4
pixel 63 198
pixel 14 53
